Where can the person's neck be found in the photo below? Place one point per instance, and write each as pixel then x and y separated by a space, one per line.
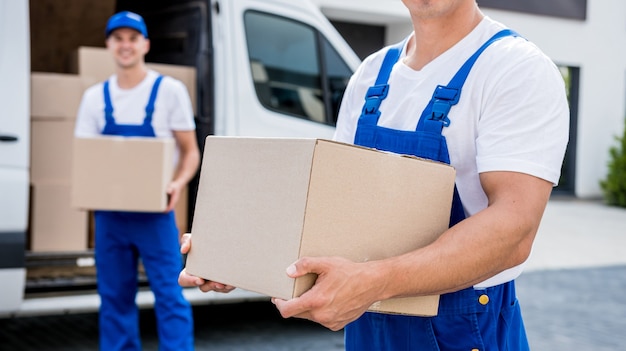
pixel 433 37
pixel 130 77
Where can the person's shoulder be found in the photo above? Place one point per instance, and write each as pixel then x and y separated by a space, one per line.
pixel 95 89
pixel 170 83
pixel 515 46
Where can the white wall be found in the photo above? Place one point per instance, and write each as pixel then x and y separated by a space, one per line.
pixel 597 46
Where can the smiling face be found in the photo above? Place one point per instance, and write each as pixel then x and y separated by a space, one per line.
pixel 128 47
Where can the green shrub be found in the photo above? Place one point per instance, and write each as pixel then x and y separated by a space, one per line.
pixel 614 186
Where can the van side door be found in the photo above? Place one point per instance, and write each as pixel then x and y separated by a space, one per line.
pixel 285 69
pixel 14 148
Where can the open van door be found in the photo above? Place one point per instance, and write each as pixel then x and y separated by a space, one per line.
pixel 14 149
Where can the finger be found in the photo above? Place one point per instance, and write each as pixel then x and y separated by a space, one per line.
pixel 305 266
pixel 296 307
pixel 283 307
pixel 217 287
pixel 173 199
pixel 187 280
pixel 185 243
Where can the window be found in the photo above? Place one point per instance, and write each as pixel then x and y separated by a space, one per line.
pixel 294 68
pixel 571 76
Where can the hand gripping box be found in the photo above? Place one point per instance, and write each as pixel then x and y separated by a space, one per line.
pixel 122 173
pixel 262 203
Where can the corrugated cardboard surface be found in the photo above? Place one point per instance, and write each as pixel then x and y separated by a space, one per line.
pixel 125 174
pixel 264 202
pixel 366 205
pixel 51 150
pixel 250 208
pixel 56 96
pixel 55 225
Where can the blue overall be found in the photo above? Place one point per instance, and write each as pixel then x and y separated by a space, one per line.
pixel 123 237
pixel 466 320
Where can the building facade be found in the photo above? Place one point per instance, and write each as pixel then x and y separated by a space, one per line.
pixel 585 38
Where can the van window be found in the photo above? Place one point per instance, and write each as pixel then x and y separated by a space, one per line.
pixel 294 68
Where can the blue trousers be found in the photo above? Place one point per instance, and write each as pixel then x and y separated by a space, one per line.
pixel 485 320
pixel 121 239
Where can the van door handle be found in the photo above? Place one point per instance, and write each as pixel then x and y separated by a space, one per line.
pixel 8 138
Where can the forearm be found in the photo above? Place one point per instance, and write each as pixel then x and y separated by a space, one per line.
pixel 189 157
pixel 483 245
pixel 187 167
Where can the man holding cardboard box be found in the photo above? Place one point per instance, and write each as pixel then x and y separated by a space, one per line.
pixel 506 136
pixel 138 102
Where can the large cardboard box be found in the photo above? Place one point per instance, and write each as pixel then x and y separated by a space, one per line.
pixel 97 63
pixel 56 96
pixel 122 173
pixel 51 150
pixel 263 203
pixel 55 225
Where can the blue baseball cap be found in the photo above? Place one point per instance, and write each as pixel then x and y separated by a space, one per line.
pixel 126 19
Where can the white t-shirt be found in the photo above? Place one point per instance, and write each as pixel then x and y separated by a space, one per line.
pixel 512 115
pixel 172 107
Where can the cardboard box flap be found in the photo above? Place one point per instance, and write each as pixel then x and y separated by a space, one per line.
pixel 264 189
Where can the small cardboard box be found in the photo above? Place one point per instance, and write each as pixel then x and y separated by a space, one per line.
pixel 97 63
pixel 122 173
pixel 55 95
pixel 56 226
pixel 262 203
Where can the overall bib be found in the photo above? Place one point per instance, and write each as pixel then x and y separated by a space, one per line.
pixel 123 237
pixel 470 319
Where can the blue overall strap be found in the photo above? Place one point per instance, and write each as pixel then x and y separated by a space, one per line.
pixel 108 106
pixel 150 105
pixel 378 92
pixel 435 115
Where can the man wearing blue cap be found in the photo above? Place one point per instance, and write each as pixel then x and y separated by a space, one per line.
pixel 137 101
pixel 466 90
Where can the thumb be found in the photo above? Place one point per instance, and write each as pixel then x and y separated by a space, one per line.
pixel 302 267
pixel 292 270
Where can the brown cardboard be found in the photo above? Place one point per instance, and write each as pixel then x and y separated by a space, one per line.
pixel 55 225
pixel 120 173
pixel 264 202
pixel 94 62
pixel 98 64
pixel 51 150
pixel 55 95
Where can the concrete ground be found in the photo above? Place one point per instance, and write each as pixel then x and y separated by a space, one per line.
pixel 573 290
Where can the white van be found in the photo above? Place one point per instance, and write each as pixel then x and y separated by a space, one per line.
pixel 264 68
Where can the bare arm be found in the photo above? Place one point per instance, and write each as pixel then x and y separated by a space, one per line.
pixel 495 239
pixel 187 165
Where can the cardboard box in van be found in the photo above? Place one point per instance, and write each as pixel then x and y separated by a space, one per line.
pixel 55 95
pixel 122 173
pixel 55 226
pixel 51 150
pixel 262 203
